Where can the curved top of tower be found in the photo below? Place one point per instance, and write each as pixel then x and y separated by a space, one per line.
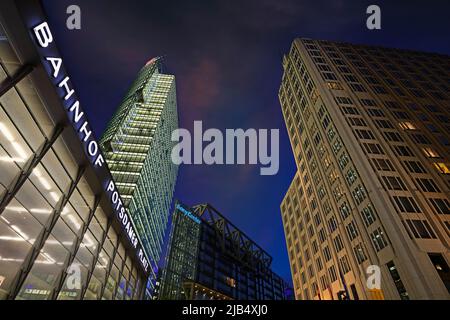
pixel 152 60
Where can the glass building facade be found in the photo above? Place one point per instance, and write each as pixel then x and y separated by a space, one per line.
pixel 210 259
pixel 137 146
pixel 59 234
pixel 369 129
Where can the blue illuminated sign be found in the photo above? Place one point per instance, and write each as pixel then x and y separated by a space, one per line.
pixel 53 65
pixel 188 214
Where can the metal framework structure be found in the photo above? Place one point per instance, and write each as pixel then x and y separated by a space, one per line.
pixel 32 162
pixel 242 247
pixel 11 81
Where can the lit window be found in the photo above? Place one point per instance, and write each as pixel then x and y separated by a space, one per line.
pixel 231 282
pixel 442 167
pixel 378 239
pixel 407 125
pixel 430 153
pixel 334 85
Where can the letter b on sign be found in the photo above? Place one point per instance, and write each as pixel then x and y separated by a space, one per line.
pixel 43 34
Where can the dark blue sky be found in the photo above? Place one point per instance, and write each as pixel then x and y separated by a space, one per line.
pixel 226 56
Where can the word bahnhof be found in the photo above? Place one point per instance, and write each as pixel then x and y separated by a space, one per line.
pixel 81 125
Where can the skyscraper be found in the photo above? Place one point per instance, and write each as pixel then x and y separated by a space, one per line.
pixel 211 259
pixel 369 128
pixel 137 146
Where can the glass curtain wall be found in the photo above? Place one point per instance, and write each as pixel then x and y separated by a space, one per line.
pixel 51 225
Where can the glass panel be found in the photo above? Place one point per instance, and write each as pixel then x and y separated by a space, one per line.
pixel 32 199
pixel 23 222
pixel 35 105
pixel 121 289
pixel 79 205
pixel 60 149
pixel 112 235
pixel 84 255
pixel 70 216
pixel 86 192
pixel 19 114
pixel 56 170
pixel 42 180
pixel 112 280
pixel 126 272
pixel 9 168
pixel 93 290
pixel 15 150
pixel 130 290
pixel 3 74
pixel 43 275
pixel 101 218
pixel 101 267
pixel 121 250
pixel 10 138
pixel 13 250
pixel 108 247
pixel 118 262
pixel 137 290
pixel 63 234
pixel 107 293
pixel 96 229
pixel 134 272
pixel 128 264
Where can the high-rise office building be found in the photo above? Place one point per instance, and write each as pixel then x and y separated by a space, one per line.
pixel 369 129
pixel 137 146
pixel 63 234
pixel 211 259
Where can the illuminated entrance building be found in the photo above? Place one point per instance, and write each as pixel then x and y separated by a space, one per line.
pixel 137 145
pixel 63 231
pixel 210 259
pixel 195 291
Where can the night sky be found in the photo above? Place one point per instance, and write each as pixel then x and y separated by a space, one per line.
pixel 226 57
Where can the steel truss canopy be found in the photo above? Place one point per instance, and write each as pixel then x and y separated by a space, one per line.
pixel 241 246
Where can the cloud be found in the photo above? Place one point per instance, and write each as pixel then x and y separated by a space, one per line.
pixel 199 86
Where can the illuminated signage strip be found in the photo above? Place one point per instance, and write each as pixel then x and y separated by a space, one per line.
pixel 188 214
pixel 53 64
